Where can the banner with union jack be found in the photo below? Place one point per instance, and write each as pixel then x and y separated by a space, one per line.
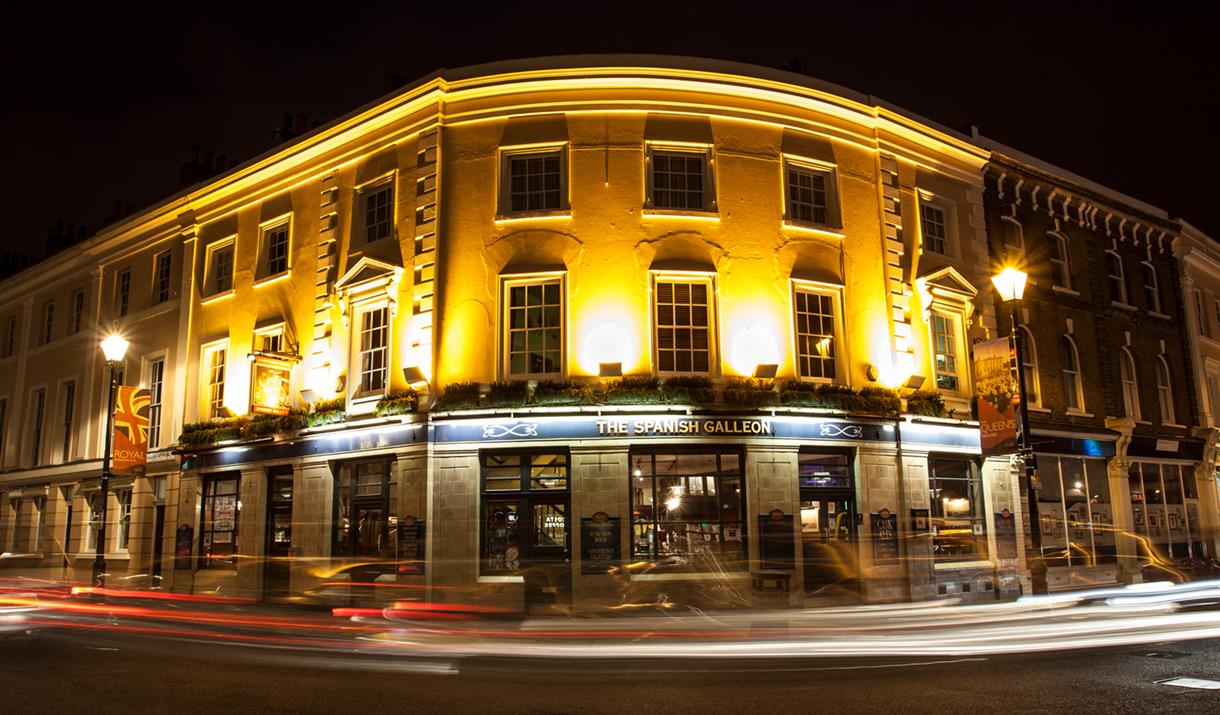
pixel 130 451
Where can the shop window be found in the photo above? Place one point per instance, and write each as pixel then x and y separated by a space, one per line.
pixel 1060 260
pixel 1165 510
pixel 1075 512
pixel 1115 281
pixel 1131 390
pixel 1069 365
pixel 534 328
pixel 17 536
pixel 40 508
pixel 524 509
pixel 679 180
pixel 533 181
pixel 816 330
pixel 686 510
pixel 378 211
pixel 824 470
pixel 683 325
pixel 162 269
pixel 367 506
pixel 959 524
pixel 811 195
pixel 945 351
pixel 219 520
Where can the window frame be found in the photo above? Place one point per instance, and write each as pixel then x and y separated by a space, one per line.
pixel 506 330
pixel 1060 261
pixel 214 407
pixel 364 193
pixel 1152 289
pixel 1120 279
pixel 1164 391
pixel 78 310
pixel 156 396
pixel 276 330
pixel 38 425
pixel 948 210
pixel 163 277
pixel 10 337
pixel 347 478
pixel 834 219
pixel 122 518
pixel 707 155
pixel 1202 322
pixel 122 292
pixel 713 332
pixel 508 154
pixel 960 374
pixel 1129 387
pixel 835 293
pixel 67 413
pixel 211 282
pixel 266 230
pixel 1075 372
pixel 356 388
pixel 48 322
pixel 207 522
pixel 978 508
pixel 1029 358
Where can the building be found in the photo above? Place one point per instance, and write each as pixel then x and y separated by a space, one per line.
pixel 1109 371
pixel 579 331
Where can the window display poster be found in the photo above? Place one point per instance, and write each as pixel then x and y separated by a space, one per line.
pixel 1006 534
pixel 777 540
pixel 224 512
pixel 885 537
pixel 183 540
pixel 600 544
pixel 411 534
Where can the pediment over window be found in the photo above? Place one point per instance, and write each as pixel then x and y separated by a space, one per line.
pixel 946 285
pixel 369 280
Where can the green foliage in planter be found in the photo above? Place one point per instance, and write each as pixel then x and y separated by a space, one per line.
pixel 199 434
pixel 561 392
pixel 928 403
pixel 632 390
pixel 265 425
pixel 875 400
pixel 326 412
pixel 750 392
pixel 459 396
pixel 397 402
pixel 202 434
pixel 688 390
pixel 508 393
pixel 879 400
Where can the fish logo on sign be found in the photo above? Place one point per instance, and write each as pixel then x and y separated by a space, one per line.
pixel 523 429
pixel 841 431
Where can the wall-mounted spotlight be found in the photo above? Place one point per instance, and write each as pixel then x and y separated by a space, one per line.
pixel 610 369
pixel 765 370
pixel 414 376
pixel 309 396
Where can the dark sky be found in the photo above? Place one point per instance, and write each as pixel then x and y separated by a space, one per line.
pixel 103 104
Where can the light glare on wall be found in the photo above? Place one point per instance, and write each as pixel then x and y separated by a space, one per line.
pixel 605 343
pixel 753 345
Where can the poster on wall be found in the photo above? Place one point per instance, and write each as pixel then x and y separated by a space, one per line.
pixel 270 385
pixel 130 438
pixel 1006 534
pixel 601 549
pixel 183 540
pixel 411 555
pixel 998 398
pixel 885 537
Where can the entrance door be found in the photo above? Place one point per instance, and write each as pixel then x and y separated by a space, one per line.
pixel 547 563
pixel 279 535
pixel 158 544
pixel 828 542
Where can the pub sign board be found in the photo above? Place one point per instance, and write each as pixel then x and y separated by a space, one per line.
pixel 601 546
pixel 411 537
pixel 885 537
pixel 777 541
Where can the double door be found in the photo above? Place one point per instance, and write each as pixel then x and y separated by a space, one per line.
pixel 531 536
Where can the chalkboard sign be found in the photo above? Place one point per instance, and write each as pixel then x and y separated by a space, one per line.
pixel 183 542
pixel 411 557
pixel 1006 534
pixel 776 541
pixel 601 546
pixel 885 537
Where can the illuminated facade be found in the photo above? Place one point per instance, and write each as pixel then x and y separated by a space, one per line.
pixel 615 332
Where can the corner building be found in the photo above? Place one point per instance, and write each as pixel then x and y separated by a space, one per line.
pixel 514 313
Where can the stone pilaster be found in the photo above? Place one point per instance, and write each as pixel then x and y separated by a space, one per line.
pixel 1117 467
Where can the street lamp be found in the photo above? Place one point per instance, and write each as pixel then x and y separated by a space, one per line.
pixel 1010 283
pixel 114 347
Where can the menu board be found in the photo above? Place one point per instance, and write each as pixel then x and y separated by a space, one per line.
pixel 1006 534
pixel 411 557
pixel 777 540
pixel 600 543
pixel 183 541
pixel 885 537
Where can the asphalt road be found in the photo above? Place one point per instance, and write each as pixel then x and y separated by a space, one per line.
pixel 61 672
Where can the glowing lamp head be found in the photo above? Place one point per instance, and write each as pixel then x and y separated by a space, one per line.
pixel 754 347
pixel 606 345
pixel 1010 283
pixel 114 347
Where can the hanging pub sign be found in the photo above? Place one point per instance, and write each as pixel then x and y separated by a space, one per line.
pixel 600 543
pixel 270 383
pixel 130 439
pixel 885 537
pixel 998 398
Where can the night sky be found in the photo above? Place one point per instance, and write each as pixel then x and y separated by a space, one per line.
pixel 103 104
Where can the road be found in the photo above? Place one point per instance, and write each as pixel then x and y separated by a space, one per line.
pixel 87 672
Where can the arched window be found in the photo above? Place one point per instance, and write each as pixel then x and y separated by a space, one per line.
pixel 1014 238
pixel 1164 390
pixel 1152 293
pixel 1131 389
pixel 1029 365
pixel 1114 278
pixel 1061 264
pixel 1069 360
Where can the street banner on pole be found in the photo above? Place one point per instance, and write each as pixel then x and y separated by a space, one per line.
pixel 130 453
pixel 998 398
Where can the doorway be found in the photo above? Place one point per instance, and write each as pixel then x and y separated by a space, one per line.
pixel 278 562
pixel 829 544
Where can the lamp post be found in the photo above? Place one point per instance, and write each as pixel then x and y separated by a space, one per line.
pixel 1010 283
pixel 114 348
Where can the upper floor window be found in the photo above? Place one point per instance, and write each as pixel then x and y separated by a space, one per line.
pixel 10 337
pixel 1115 280
pixel 1131 389
pixel 1152 292
pixel 811 195
pixel 534 320
pixel 3 426
pixel 945 351
pixel 269 339
pixel 1216 308
pixel 215 360
pixel 374 351
pixel 48 322
pixel 40 407
pixel 1069 363
pixel 78 310
pixel 816 323
pixel 683 325
pixel 679 180
pixel 68 392
pixel 1014 237
pixel 1164 391
pixel 162 269
pixel 934 225
pixel 1060 260
pixel 219 268
pixel 378 211
pixel 533 180
pixel 275 249
pixel 1205 328
pixel 1029 364
pixel 156 384
pixel 123 292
